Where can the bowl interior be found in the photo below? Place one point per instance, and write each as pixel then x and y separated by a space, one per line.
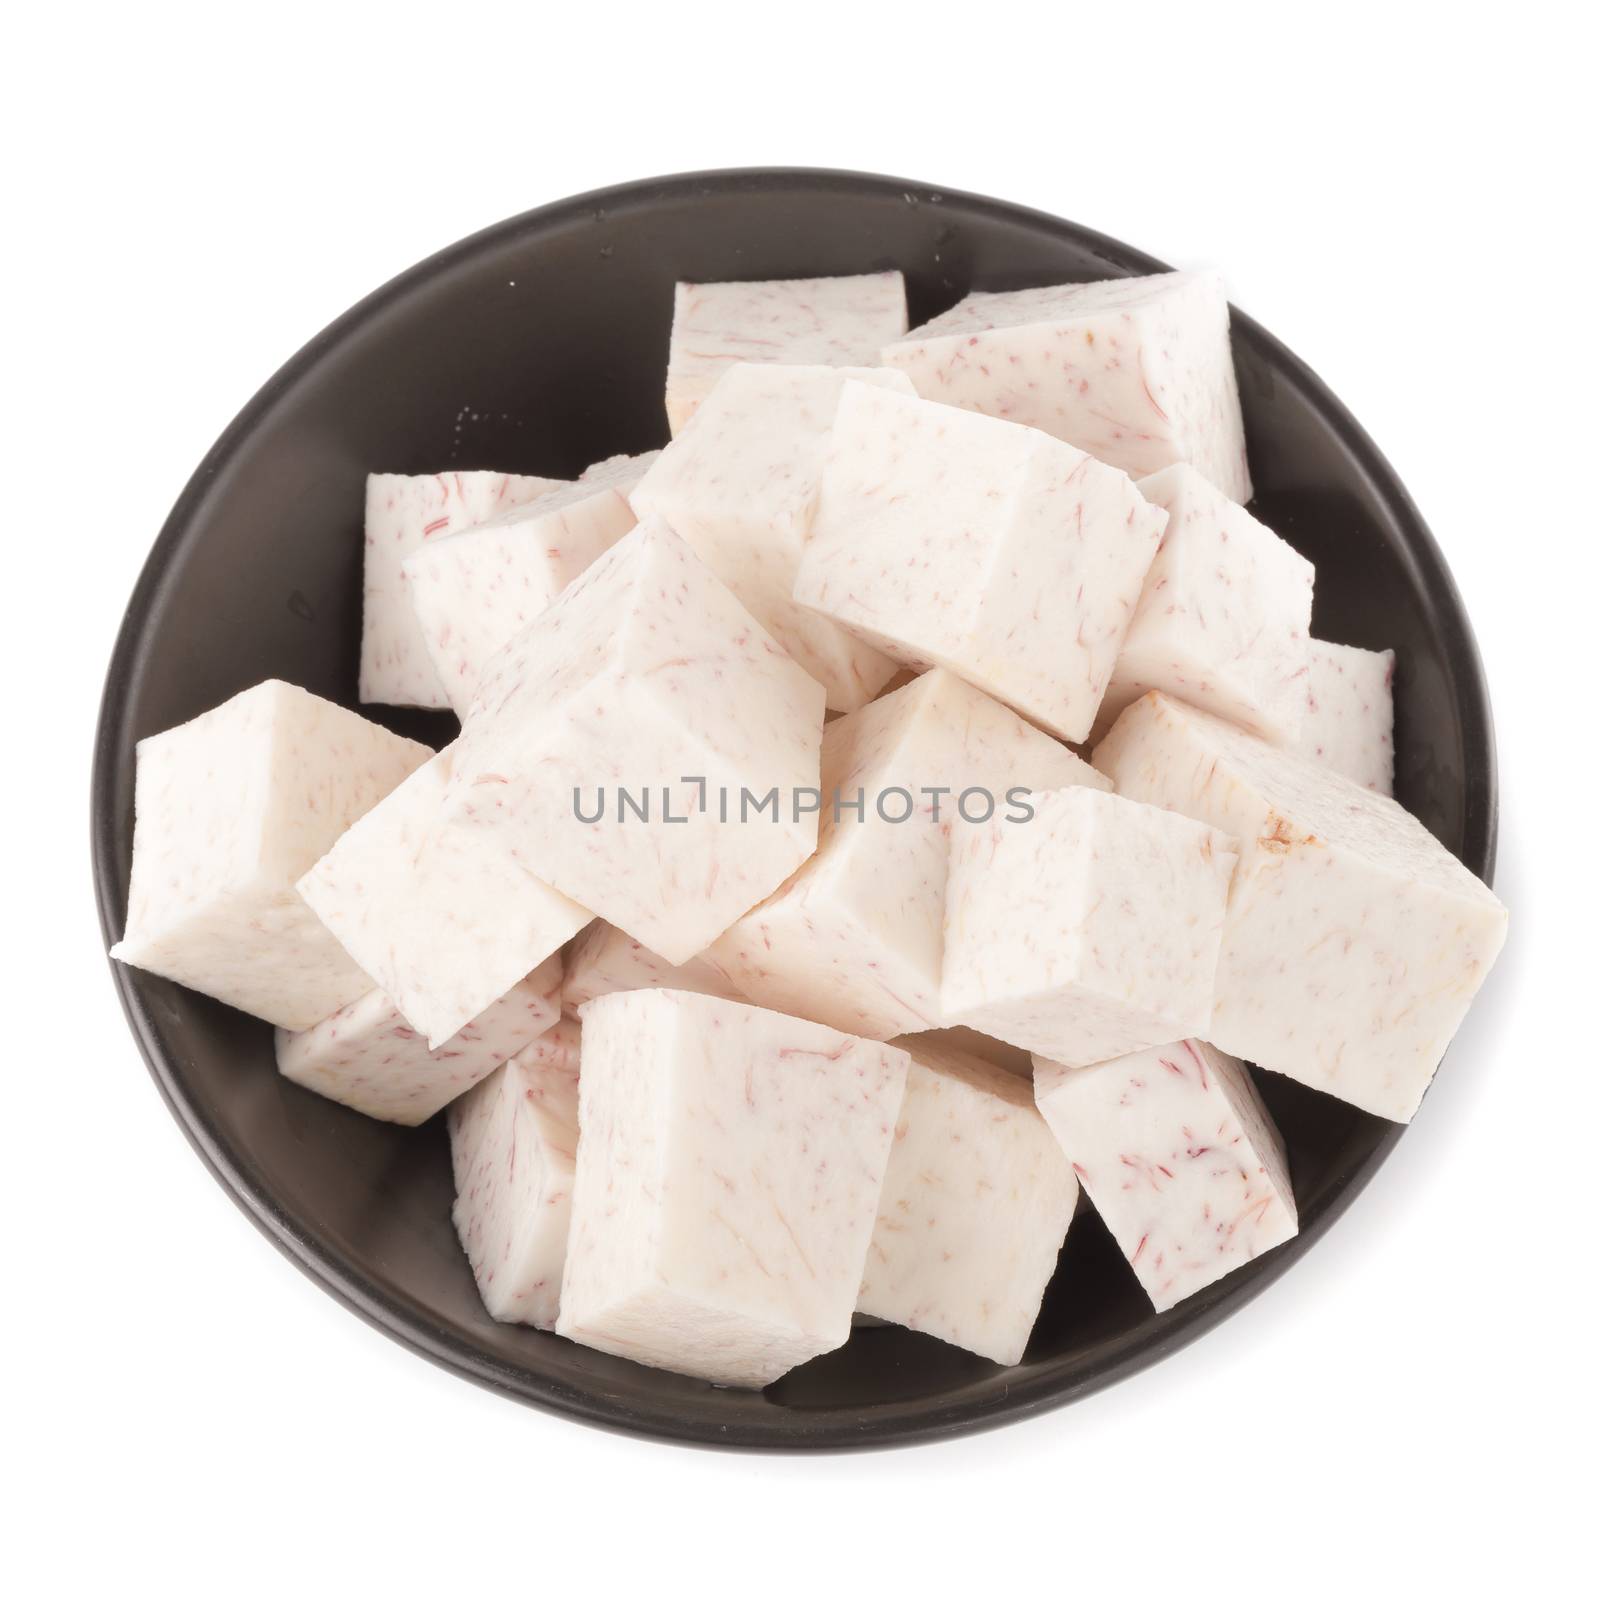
pixel 540 346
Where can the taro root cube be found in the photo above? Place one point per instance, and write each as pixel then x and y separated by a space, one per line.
pixel 968 1041
pixel 604 959
pixel 729 1173
pixel 1349 714
pixel 976 1205
pixel 513 1147
pixel 613 743
pixel 855 938
pixel 476 590
pixel 1137 371
pixel 740 484
pixel 1087 931
pixel 229 810
pixel 948 539
pixel 444 918
pixel 830 322
pixel 403 514
pixel 1224 621
pixel 1180 1158
pixel 369 1057
pixel 1354 940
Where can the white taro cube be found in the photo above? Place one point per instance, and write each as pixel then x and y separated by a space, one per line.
pixel 1180 1158
pixel 948 539
pixel 1137 371
pixel 855 938
pixel 604 959
pixel 367 1056
pixel 474 591
pixel 740 486
pixel 646 747
pixel 1354 940
pixel 229 810
pixel 1088 930
pixel 404 514
pixel 969 1042
pixel 729 1173
pixel 834 322
pixel 1224 620
pixel 513 1148
pixel 1349 714
pixel 976 1205
pixel 444 917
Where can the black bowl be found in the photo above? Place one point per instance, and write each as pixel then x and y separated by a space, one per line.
pixel 539 346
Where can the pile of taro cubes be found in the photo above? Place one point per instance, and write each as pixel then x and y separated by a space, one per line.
pixel 902 801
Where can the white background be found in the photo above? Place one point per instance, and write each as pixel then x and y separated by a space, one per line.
pixel 1407 203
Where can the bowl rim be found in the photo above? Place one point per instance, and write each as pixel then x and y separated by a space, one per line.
pixel 896 1424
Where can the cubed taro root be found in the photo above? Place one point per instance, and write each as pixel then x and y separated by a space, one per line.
pixel 976 1204
pixel 229 810
pixel 1137 371
pixel 948 539
pixel 1180 1158
pixel 604 960
pixel 367 1056
pixel 830 322
pixel 1224 619
pixel 740 485
pixel 404 514
pixel 443 916
pixel 646 747
pixel 1086 931
pixel 729 1174
pixel 474 591
pixel 855 937
pixel 513 1147
pixel 969 1042
pixel 1349 714
pixel 1354 940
